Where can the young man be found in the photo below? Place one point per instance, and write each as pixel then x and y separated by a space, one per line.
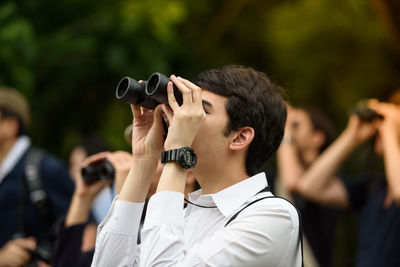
pixel 377 197
pixel 308 132
pixel 233 118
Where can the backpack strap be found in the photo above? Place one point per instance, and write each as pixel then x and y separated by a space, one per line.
pixel 33 176
pixel 298 213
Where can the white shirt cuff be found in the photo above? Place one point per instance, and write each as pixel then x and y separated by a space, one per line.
pixel 124 217
pixel 164 208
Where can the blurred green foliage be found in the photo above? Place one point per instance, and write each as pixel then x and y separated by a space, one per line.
pixel 67 56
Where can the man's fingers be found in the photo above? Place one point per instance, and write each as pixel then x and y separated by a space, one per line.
pixel 135 111
pixel 196 91
pixel 168 112
pixel 25 243
pixel 171 98
pixel 95 157
pixel 186 92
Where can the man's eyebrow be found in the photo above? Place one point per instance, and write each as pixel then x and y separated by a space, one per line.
pixel 206 103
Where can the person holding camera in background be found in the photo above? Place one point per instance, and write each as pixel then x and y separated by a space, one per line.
pixel 35 188
pixel 233 119
pixel 377 197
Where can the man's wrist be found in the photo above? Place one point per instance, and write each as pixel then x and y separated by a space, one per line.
pixel 184 156
pixel 83 198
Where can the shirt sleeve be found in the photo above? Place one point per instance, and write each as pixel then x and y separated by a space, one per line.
pixel 260 235
pixel 68 247
pixel 116 242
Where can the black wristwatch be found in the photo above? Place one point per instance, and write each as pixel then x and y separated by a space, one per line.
pixel 185 156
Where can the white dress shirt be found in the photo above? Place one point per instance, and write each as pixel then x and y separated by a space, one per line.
pixel 264 234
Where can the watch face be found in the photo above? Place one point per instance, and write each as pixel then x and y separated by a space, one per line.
pixel 187 157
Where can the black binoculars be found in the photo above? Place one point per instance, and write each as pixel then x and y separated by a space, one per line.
pixel 148 93
pixel 98 170
pixel 365 113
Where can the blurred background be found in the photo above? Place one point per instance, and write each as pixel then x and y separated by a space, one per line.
pixel 67 57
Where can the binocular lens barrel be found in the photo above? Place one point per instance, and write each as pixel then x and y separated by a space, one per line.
pixel 365 113
pixel 147 94
pixel 100 170
pixel 129 90
pixel 157 89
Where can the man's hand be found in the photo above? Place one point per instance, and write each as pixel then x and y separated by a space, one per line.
pixel 16 252
pixel 84 194
pixel 185 120
pixel 360 131
pixel 89 191
pixel 291 125
pixel 390 113
pixel 147 133
pixel 121 161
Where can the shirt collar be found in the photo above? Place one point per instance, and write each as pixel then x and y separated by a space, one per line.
pixel 231 198
pixel 17 151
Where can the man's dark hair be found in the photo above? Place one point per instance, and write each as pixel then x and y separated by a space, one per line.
pixel 253 100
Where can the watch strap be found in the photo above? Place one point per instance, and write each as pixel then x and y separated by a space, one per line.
pixel 179 155
pixel 170 155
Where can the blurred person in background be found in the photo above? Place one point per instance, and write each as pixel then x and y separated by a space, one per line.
pixel 35 188
pixel 75 246
pixel 307 134
pixel 376 196
pixel 89 146
pixel 70 249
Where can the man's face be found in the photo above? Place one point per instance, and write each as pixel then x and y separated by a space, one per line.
pixel 210 143
pixel 303 130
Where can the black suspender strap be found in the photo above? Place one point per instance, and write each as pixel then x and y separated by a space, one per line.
pixel 298 213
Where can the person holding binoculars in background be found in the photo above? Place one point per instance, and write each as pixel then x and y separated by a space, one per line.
pixel 68 249
pixel 230 121
pixel 308 133
pixel 377 197
pixel 93 175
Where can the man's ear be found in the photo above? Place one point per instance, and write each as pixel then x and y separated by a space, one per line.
pixel 242 138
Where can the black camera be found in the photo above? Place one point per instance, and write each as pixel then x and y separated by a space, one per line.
pixel 98 170
pixel 365 113
pixel 147 94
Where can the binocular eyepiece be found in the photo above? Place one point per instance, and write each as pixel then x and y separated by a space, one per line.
pixel 147 94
